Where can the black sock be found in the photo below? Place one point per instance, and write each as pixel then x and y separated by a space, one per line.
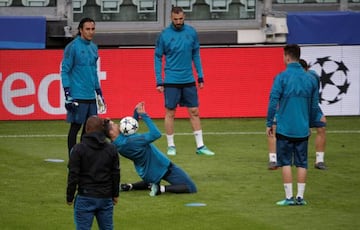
pixel 140 185
pixel 72 135
pixel 178 188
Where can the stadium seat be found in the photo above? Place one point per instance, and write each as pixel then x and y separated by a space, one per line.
pixel 78 5
pixel 145 6
pixel 35 2
pixel 5 2
pixel 218 5
pixel 186 5
pixel 327 1
pixel 290 1
pixel 249 5
pixel 109 6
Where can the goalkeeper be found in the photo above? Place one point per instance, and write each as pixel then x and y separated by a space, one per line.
pixel 150 163
pixel 80 80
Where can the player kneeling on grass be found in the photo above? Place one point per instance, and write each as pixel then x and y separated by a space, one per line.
pixel 150 163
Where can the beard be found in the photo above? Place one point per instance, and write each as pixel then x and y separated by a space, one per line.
pixel 178 26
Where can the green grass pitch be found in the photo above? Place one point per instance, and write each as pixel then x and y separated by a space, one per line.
pixel 238 190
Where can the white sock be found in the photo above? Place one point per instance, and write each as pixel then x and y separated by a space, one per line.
pixel 301 190
pixel 162 188
pixel 170 140
pixel 288 190
pixel 198 138
pixel 272 157
pixel 319 157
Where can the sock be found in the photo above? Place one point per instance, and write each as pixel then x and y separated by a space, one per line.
pixel 177 188
pixel 319 157
pixel 72 136
pixel 162 188
pixel 272 157
pixel 198 138
pixel 301 190
pixel 140 185
pixel 170 140
pixel 288 190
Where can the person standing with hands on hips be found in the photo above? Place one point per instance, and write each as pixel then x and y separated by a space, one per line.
pixel 83 95
pixel 179 44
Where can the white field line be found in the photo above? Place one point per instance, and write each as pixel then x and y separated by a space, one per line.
pixel 184 134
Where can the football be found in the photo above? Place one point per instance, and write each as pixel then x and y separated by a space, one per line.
pixel 128 125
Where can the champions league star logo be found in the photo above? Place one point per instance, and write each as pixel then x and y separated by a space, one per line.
pixel 334 82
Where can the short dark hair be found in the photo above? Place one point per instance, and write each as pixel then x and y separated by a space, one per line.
pixel 106 126
pixel 94 124
pixel 293 50
pixel 176 10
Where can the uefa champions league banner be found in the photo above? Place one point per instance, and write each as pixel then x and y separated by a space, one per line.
pixel 339 71
pixel 237 81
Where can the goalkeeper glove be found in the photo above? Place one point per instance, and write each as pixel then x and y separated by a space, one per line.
pixel 70 104
pixel 100 102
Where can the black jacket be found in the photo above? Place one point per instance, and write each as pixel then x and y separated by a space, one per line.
pixel 93 168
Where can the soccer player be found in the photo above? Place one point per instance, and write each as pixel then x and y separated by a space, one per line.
pixel 294 99
pixel 94 171
pixel 80 80
pixel 150 163
pixel 272 149
pixel 179 44
pixel 320 139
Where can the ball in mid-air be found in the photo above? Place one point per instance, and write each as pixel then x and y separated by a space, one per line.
pixel 128 125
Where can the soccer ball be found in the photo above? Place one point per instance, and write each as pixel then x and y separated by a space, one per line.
pixel 334 82
pixel 128 125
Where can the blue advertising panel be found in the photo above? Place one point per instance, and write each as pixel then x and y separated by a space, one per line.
pixel 22 32
pixel 340 28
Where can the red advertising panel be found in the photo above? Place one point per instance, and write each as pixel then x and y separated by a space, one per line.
pixel 237 82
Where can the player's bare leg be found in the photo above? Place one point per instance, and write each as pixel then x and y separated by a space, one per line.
pixel 301 182
pixel 196 127
pixel 320 143
pixel 194 118
pixel 271 139
pixel 288 188
pixel 169 130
